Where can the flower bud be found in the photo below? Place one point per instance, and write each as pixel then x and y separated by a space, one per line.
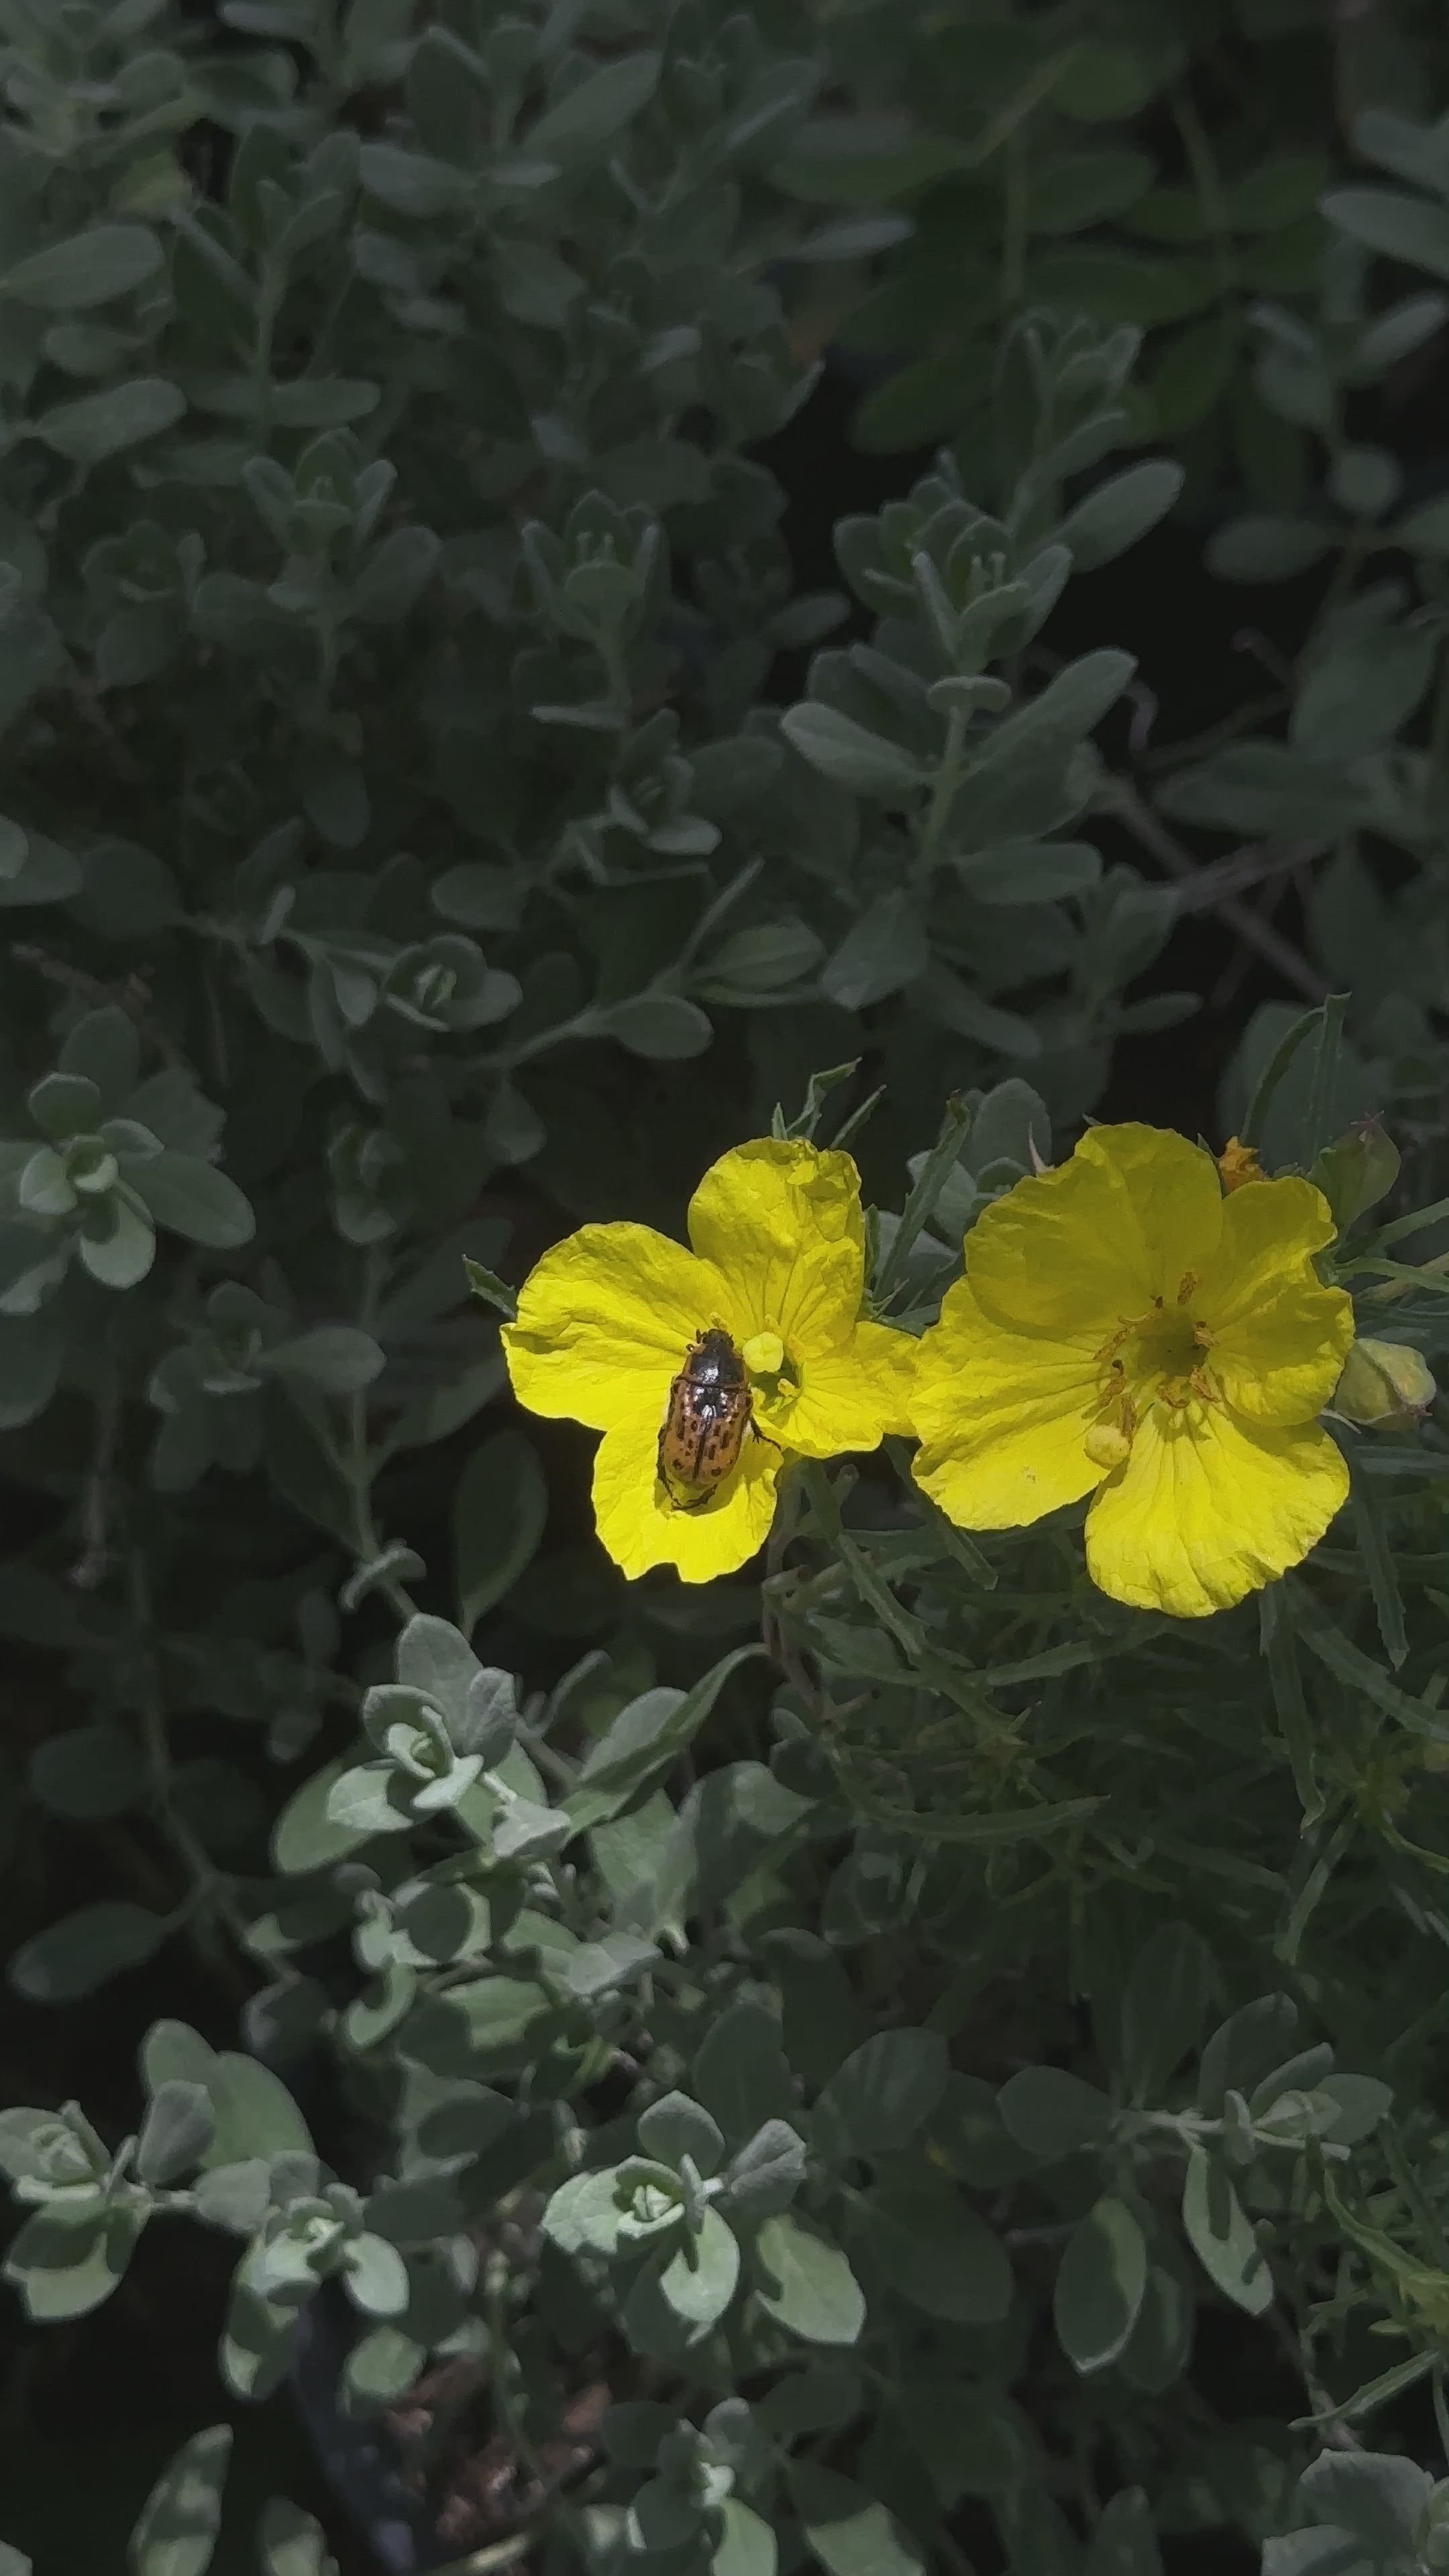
pixel 1385 1386
pixel 1357 1170
pixel 1238 1163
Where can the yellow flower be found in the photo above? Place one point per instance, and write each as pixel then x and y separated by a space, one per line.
pixel 778 1263
pixel 1127 1331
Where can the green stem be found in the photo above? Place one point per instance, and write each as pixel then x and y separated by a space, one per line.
pixel 507 1059
pixel 1208 182
pixel 943 795
pixel 876 1594
pixel 500 2361
pixel 1439 730
pixel 213 1887
pixel 270 289
pixel 1013 229
pixel 611 655
pixel 357 1468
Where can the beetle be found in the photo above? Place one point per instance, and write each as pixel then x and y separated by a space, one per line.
pixel 710 1409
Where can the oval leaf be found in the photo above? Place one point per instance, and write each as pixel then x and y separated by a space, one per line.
pixel 85 1950
pixel 806 2283
pixel 89 268
pixel 1100 2285
pixel 181 2517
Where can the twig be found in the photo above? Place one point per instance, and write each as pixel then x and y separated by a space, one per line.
pixel 213 1887
pixel 1241 870
pixel 90 1568
pixel 1255 711
pixel 1121 798
pixel 1337 2435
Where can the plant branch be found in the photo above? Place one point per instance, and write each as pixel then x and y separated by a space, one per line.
pixel 1121 798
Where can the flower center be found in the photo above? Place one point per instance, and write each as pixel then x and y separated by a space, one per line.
pixel 774 1375
pixel 1156 1358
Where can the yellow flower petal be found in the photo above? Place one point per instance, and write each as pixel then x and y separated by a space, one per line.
pixel 781 1223
pixel 1269 1236
pixel 604 1321
pixel 1003 1418
pixel 1279 1338
pixel 1073 1252
pixel 890 1359
pixel 641 1528
pixel 847 1398
pixel 1282 1364
pixel 1208 1509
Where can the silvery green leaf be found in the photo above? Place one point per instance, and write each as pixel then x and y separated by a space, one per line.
pixel 84 1950
pixel 192 1198
pixel 180 2521
pixel 64 1105
pixel 767 2172
pixel 58 2149
pixel 1100 2284
pixel 805 2281
pixel 89 1772
pixel 235 2196
pixel 1222 2236
pixel 86 269
pixel 376 2276
pixel 437 1795
pixel 334 1358
pixel 585 2212
pixel 1377 2496
pixel 434 1660
pixel 291 2542
pixel 178 2128
pixel 62 2271
pixel 675 2126
pixel 396 1704
pixel 878 2100
pixel 849 2531
pixel 368 1799
pixel 853 757
pixel 526 1831
pixel 580 124
pixel 1054 2113
pixel 617 1959
pixel 698 2282
pixel 489 1716
pixel 96 426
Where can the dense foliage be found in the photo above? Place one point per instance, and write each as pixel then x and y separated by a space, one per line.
pixel 848 2063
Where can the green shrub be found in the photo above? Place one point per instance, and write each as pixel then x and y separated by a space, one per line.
pixel 805 2049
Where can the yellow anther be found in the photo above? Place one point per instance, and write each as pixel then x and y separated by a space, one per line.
pixel 1107 1445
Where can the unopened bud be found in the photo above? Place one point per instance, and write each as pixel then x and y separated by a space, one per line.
pixel 1238 1163
pixel 1385 1386
pixel 1357 1170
